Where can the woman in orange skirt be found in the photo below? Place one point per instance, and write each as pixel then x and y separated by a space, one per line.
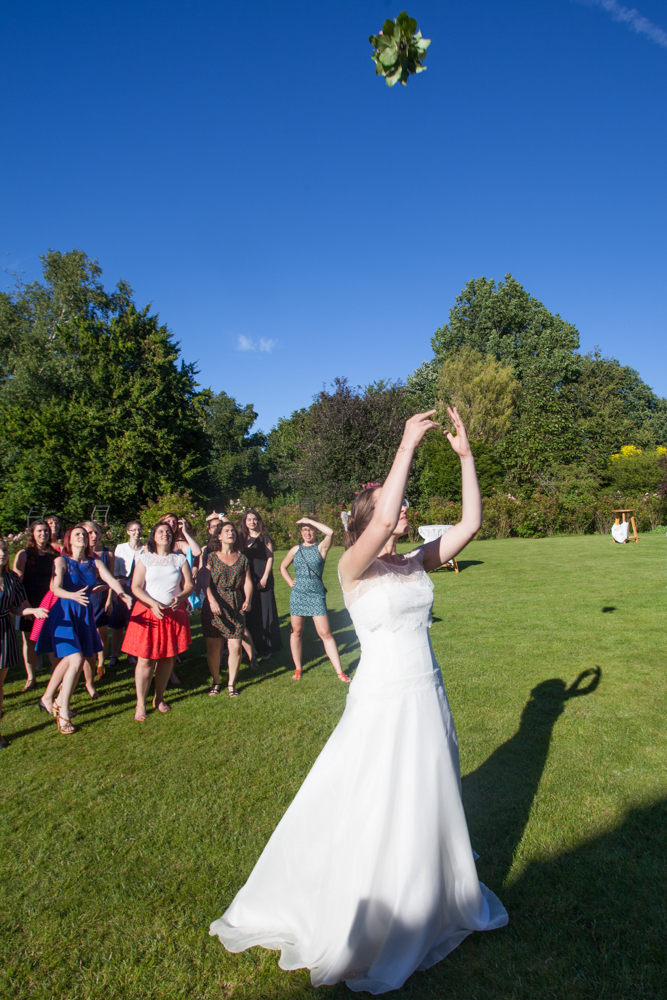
pixel 159 629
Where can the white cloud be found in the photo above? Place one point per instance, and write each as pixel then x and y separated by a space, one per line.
pixel 248 344
pixel 634 20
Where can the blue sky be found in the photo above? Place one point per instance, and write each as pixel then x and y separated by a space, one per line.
pixel 243 168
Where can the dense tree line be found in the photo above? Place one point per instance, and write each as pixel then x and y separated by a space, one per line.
pixel 96 405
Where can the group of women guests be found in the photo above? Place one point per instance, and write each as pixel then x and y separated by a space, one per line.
pixel 68 590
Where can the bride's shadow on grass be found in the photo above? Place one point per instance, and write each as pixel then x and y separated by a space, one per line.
pixel 499 794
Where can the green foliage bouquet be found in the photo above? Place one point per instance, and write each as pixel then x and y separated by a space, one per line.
pixel 400 50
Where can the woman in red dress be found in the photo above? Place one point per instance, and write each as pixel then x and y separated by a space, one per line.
pixel 159 629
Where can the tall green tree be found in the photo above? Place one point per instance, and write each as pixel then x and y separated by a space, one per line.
pixel 237 455
pixel 94 405
pixel 348 436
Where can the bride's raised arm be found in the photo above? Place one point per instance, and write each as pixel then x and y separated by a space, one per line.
pixel 387 508
pixel 441 550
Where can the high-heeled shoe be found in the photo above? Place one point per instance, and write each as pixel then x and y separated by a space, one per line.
pixel 162 707
pixel 64 725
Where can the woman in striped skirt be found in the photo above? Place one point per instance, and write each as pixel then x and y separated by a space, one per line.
pixel 13 601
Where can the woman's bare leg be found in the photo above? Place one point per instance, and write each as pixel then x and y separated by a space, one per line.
pixel 102 655
pixel 89 667
pixel 321 623
pixel 70 680
pixel 296 644
pixel 213 658
pixel 143 675
pixel 163 669
pixel 55 681
pixel 30 661
pixel 234 661
pixel 249 647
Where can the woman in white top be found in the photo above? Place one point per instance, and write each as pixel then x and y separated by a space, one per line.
pixel 125 558
pixel 159 627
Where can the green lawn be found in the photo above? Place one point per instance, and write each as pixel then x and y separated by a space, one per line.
pixel 120 844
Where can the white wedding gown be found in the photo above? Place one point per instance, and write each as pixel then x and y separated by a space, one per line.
pixel 370 874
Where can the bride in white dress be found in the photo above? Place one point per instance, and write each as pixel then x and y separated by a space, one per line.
pixel 386 786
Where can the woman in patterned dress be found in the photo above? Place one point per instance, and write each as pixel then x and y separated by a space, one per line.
pixel 13 601
pixel 228 585
pixel 307 599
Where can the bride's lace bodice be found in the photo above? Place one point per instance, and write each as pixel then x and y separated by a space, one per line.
pixel 392 596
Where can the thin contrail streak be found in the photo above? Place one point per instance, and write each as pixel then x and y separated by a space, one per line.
pixel 634 20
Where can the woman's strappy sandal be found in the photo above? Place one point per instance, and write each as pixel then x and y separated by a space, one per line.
pixel 343 677
pixel 216 689
pixel 232 692
pixel 64 725
pixel 162 707
pixel 296 676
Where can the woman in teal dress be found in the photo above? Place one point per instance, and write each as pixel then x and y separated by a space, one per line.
pixel 307 599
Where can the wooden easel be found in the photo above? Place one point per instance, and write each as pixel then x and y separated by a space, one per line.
pixel 631 512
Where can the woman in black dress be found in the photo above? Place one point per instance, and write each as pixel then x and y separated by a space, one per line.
pixel 262 618
pixel 34 567
pixel 13 601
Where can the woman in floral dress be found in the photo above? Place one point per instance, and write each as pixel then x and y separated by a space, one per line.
pixel 228 586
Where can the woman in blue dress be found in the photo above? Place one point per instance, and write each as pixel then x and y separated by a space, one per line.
pixel 70 630
pixel 307 599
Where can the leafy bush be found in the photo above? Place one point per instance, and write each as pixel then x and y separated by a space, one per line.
pixel 180 504
pixel 633 469
pixel 440 467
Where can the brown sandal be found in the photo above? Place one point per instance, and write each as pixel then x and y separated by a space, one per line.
pixel 64 725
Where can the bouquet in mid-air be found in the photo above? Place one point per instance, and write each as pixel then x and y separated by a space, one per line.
pixel 400 50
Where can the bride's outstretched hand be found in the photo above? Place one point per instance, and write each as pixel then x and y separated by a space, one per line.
pixel 415 428
pixel 460 443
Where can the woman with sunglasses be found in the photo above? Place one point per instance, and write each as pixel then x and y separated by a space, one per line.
pixel 307 598
pixel 386 782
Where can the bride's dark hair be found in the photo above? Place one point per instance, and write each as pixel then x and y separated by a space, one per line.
pixel 361 513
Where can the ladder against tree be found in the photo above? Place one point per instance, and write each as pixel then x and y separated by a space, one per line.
pixel 622 513
pixel 36 513
pixel 101 513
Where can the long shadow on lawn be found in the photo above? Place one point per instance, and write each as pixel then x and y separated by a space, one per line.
pixel 498 796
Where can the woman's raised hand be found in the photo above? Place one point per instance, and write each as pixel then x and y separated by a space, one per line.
pixel 304 520
pixel 460 443
pixel 415 428
pixel 80 596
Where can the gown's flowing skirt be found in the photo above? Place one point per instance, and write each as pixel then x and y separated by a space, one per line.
pixel 370 874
